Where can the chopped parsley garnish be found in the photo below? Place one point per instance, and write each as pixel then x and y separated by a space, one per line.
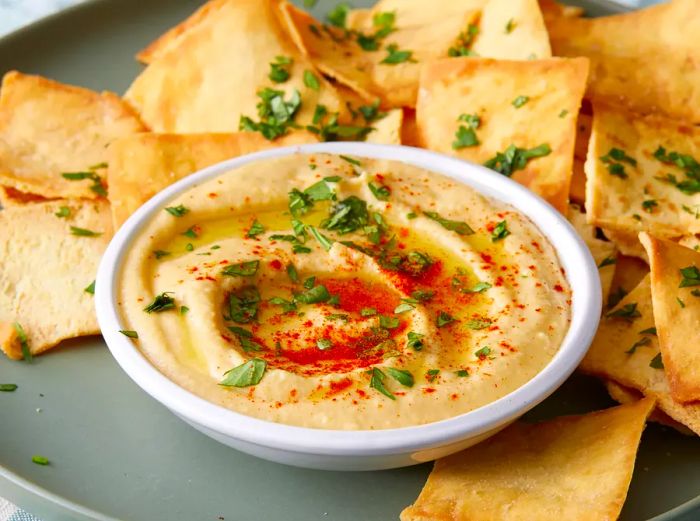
pixel 616 296
pixel 405 378
pixel 384 25
pixel 690 276
pixel 245 375
pixel 411 215
pixel 63 212
pixel 314 295
pixel 395 56
pixel 462 373
pixel 479 287
pixel 645 341
pixel 415 340
pixel 657 362
pixel 464 42
pixel 177 211
pixel 338 15
pixel 255 229
pixel 327 128
pixel 191 232
pixel 432 374
pixel 379 191
pixel 459 227
pixel 627 312
pixel 687 163
pixel 368 312
pixel 478 324
pixel 129 333
pixel 648 331
pixel 347 215
pixel 162 302
pixel 276 114
pixel 515 158
pixel 324 241
pixel 500 231
pixel 520 101
pixel 242 269
pixel 40 460
pixel 184 310
pixel 243 305
pixel 376 381
pixel 422 295
pixel 614 159
pixel 607 261
pixel 310 282
pixel 82 232
pixel 649 205
pixel 299 202
pixel 371 112
pixel 563 113
pixel 351 160
pixel 91 288
pixel 23 341
pixel 279 69
pixel 465 136
pixel 444 318
pixel 159 254
pixel 483 352
pixel 324 343
pixel 311 81
pixel 387 322
pixel 680 302
pixel 404 307
pixel 292 272
pixel 96 186
pixel 510 26
pixel 300 248
pixel 245 338
pixel 8 388
pixel 287 305
pixel 189 246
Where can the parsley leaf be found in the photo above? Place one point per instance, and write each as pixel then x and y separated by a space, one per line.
pixel 255 229
pixel 690 276
pixel 483 352
pixel 314 295
pixel 520 101
pixel 347 215
pixel 311 80
pixel 338 15
pixel 243 305
pixel 279 69
pixel 415 340
pixel 91 288
pixel 395 56
pixel 459 227
pixel 377 378
pixel 627 312
pixel 379 191
pixel 464 42
pixel 444 319
pixel 82 232
pixel 63 212
pixel 129 333
pixel 466 135
pixel 177 211
pixel 245 375
pixel 607 261
pixel 23 341
pixel 657 362
pixel 276 114
pixel 515 158
pixel 242 269
pixel 162 302
pixel 500 232
pixel 405 378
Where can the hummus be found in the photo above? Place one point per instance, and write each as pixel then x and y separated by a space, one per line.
pixel 333 292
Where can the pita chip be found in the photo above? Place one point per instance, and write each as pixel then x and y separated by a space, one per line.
pixel 48 129
pixel 539 471
pixel 387 130
pixel 642 174
pixel 675 291
pixel 626 350
pixel 483 110
pixel 170 157
pixel 50 256
pixel 639 59
pixel 216 72
pixel 629 272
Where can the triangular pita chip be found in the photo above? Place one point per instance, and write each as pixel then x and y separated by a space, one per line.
pixel 170 157
pixel 604 253
pixel 623 395
pixel 495 91
pixel 387 130
pixel 48 128
pixel 645 59
pixel 576 468
pixel 627 242
pixel 512 29
pixel 626 349
pixel 675 279
pixel 212 73
pixel 46 269
pixel 630 159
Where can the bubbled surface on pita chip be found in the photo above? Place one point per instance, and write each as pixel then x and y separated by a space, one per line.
pixel 45 272
pixel 678 327
pixel 488 88
pixel 576 468
pixel 623 350
pixel 210 76
pixel 647 59
pixel 48 128
pixel 170 157
pixel 639 196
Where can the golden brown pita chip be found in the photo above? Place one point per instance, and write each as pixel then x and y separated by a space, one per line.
pixel 645 59
pixel 626 349
pixel 211 76
pixel 628 243
pixel 48 128
pixel 387 130
pixel 576 468
pixel 634 181
pixel 623 394
pixel 675 291
pixel 604 253
pixel 170 157
pixel 495 91
pixel 46 269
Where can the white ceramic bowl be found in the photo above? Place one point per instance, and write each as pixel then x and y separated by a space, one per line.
pixel 362 450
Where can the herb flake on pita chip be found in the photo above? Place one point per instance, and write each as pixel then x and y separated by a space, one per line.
pixel 611 355
pixel 170 157
pixel 643 174
pixel 45 271
pixel 604 252
pixel 532 144
pixel 675 273
pixel 217 72
pixel 644 48
pixel 48 129
pixel 539 471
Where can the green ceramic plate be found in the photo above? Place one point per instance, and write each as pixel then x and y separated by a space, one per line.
pixel 116 453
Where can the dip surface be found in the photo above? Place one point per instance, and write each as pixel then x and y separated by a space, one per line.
pixel 368 294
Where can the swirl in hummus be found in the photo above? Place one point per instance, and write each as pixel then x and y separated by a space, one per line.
pixel 332 292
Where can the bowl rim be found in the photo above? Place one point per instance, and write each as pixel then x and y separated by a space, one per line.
pixel 573 254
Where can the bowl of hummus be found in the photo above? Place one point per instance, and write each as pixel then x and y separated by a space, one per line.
pixel 348 306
